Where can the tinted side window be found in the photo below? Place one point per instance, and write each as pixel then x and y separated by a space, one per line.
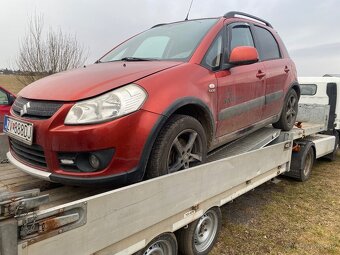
pixel 308 89
pixel 212 59
pixel 268 48
pixel 241 36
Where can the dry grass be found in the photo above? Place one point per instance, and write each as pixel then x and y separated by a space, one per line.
pixel 11 83
pixel 286 218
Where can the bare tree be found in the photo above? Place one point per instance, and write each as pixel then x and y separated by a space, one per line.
pixel 42 54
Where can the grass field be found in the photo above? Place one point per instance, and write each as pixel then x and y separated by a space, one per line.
pixel 285 218
pixel 11 83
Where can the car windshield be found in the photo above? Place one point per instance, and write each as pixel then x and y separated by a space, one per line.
pixel 176 41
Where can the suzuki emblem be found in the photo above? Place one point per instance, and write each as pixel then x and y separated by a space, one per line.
pixel 24 109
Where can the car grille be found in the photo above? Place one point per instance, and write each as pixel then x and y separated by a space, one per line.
pixel 33 109
pixel 32 154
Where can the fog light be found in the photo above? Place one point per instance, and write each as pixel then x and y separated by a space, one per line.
pixel 94 161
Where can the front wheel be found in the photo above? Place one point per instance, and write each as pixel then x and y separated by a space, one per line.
pixel 289 112
pixel 181 144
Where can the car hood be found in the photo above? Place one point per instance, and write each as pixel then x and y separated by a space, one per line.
pixel 92 80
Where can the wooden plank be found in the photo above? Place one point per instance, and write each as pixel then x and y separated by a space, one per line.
pixel 14 174
pixel 13 179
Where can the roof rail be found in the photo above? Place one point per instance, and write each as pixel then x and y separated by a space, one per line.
pixel 234 13
pixel 159 25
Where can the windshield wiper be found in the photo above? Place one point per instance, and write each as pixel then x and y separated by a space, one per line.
pixel 137 59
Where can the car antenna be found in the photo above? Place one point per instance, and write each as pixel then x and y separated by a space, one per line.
pixel 189 11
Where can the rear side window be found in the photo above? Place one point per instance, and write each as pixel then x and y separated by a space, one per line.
pixel 308 89
pixel 268 47
pixel 241 36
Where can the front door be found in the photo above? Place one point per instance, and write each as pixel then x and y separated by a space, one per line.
pixel 241 89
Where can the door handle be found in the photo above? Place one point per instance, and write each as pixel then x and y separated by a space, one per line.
pixel 260 74
pixel 286 69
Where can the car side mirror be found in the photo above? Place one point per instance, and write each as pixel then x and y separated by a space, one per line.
pixel 243 55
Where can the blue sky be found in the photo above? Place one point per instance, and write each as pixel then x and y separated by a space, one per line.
pixel 309 28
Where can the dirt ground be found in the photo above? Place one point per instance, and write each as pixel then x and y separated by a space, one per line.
pixel 286 218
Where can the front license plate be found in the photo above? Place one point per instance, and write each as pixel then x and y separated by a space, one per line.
pixel 18 129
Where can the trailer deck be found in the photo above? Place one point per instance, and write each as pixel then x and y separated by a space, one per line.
pixel 124 220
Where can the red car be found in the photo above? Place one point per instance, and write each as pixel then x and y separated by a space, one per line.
pixel 155 104
pixel 6 101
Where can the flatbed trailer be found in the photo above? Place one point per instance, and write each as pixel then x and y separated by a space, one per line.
pixel 145 216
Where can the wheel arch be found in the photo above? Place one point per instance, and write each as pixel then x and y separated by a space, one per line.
pixel 186 106
pixel 295 85
pixel 198 110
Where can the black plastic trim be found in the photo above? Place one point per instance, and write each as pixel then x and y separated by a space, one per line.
pixel 332 95
pixel 135 175
pixel 297 85
pixel 233 14
pixel 111 180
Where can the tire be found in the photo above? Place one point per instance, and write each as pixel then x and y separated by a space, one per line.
pixel 201 235
pixel 289 112
pixel 163 244
pixel 181 144
pixel 302 163
pixel 307 165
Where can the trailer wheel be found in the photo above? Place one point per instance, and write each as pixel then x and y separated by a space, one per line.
pixel 201 235
pixel 181 144
pixel 289 112
pixel 164 244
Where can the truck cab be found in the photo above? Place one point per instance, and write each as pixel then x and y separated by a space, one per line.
pixel 323 91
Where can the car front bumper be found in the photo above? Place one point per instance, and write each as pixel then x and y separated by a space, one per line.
pixel 128 137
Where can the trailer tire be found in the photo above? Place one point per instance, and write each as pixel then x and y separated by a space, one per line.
pixel 172 151
pixel 163 244
pixel 289 112
pixel 201 235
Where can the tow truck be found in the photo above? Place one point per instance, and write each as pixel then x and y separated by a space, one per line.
pixel 179 212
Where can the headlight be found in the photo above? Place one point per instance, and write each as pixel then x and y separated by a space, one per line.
pixel 108 106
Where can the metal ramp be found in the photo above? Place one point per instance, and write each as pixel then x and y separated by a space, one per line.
pixel 251 142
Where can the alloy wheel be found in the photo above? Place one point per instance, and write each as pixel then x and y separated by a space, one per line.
pixel 186 151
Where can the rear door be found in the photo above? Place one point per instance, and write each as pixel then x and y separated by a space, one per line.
pixel 276 68
pixel 240 89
